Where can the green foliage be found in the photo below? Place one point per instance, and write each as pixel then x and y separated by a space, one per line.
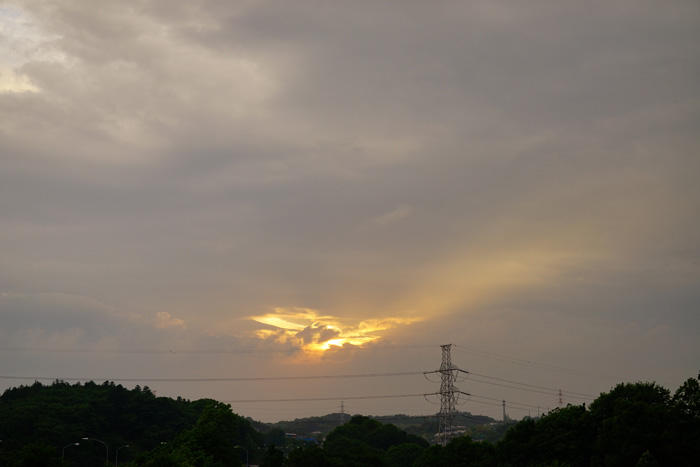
pixel 635 424
pixel 274 436
pixel 464 452
pixel 563 436
pixel 426 427
pixel 374 433
pixel 364 441
pixel 686 401
pixel 305 426
pixel 350 452
pixel 647 460
pixel 431 457
pixel 460 452
pixel 212 441
pixel 309 456
pixel 273 457
pixel 516 447
pixel 403 455
pixel 36 455
pixel 420 426
pixel 630 420
pixel 215 434
pixel 160 459
pixel 62 414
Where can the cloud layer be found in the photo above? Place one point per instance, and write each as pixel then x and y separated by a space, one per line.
pixel 517 178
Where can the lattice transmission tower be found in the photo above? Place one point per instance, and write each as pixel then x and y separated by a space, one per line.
pixel 449 393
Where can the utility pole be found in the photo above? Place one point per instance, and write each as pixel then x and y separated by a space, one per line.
pixel 504 412
pixel 448 395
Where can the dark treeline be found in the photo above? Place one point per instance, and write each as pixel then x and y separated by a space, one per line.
pixel 635 424
pixel 40 424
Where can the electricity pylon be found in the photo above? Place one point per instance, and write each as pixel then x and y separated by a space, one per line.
pixel 449 394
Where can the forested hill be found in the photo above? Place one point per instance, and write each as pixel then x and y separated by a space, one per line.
pixel 635 424
pixel 38 418
pixel 421 425
pixel 427 426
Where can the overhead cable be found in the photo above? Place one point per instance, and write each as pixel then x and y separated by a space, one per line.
pixel 241 379
pixel 519 361
pixel 389 396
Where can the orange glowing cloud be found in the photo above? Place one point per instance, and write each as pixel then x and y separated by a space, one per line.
pixel 314 332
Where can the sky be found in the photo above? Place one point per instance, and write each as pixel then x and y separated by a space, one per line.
pixel 224 199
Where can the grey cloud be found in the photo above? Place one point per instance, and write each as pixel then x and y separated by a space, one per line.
pixel 214 161
pixel 58 312
pixel 317 334
pixel 60 320
pixel 454 61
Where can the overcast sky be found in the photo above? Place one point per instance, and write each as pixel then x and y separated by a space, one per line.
pixel 215 189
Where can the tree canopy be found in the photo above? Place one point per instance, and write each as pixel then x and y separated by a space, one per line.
pixel 635 424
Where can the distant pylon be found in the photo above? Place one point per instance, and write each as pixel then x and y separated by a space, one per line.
pixel 561 401
pixel 448 396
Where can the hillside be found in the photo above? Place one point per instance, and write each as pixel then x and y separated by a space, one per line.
pixel 420 425
pixel 87 425
pixel 61 414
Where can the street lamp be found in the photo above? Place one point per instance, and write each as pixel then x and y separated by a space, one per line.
pixel 63 451
pixel 117 459
pixel 246 454
pixel 100 441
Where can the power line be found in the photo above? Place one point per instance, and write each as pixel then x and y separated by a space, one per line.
pixel 533 390
pixel 288 350
pixel 555 393
pixel 516 405
pixel 570 394
pixel 524 384
pixel 519 361
pixel 242 379
pixel 500 401
pixel 448 370
pixel 309 399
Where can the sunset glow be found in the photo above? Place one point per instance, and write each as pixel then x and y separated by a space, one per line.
pixel 314 332
pixel 254 189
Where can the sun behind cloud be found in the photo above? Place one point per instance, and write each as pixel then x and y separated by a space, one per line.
pixel 316 333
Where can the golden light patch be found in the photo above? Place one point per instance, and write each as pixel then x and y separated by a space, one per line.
pixel 278 322
pixel 11 82
pixel 315 333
